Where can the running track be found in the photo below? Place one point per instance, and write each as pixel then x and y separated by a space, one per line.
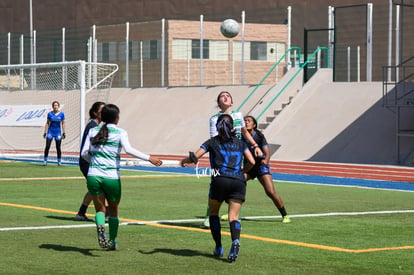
pixel 369 176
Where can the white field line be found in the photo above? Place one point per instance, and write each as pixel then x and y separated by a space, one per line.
pixel 158 175
pixel 176 174
pixel 51 227
pixel 344 185
pixel 333 214
pixel 200 220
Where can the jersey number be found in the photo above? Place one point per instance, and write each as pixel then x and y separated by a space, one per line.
pixel 231 157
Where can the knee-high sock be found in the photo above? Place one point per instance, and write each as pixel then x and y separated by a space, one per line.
pixel 235 228
pixel 82 210
pixel 113 223
pixel 215 229
pixel 100 218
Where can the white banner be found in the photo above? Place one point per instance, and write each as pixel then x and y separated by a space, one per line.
pixel 24 115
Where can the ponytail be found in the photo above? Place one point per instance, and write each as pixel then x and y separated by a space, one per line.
pixel 224 127
pixel 101 137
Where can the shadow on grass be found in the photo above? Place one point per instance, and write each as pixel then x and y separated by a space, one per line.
pixel 186 224
pixel 180 252
pixel 61 218
pixel 63 248
pixel 276 221
pixel 196 224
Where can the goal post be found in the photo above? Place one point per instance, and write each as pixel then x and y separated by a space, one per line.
pixel 27 92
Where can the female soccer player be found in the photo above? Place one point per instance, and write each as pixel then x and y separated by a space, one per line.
pixel 227 180
pixel 54 129
pixel 102 150
pixel 261 169
pixel 225 103
pixel 95 119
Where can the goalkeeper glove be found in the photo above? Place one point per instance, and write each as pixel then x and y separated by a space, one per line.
pixel 44 135
pixel 63 135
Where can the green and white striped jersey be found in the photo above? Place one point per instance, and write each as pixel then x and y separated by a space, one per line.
pixel 238 123
pixel 105 159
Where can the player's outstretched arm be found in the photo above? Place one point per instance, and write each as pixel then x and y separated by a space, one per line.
pixel 134 152
pixel 155 161
pixel 193 157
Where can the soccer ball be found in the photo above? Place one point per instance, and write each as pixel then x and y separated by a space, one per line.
pixel 229 28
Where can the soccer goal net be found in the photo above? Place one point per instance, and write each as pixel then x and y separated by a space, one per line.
pixel 26 95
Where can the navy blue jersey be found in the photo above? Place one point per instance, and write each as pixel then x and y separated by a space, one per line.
pixel 260 141
pixel 258 169
pixel 91 124
pixel 83 164
pixel 226 158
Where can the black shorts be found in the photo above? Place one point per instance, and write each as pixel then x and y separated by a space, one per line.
pixel 259 170
pixel 224 188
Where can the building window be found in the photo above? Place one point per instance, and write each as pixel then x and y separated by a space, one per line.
pixel 181 48
pixel 154 49
pixel 184 49
pixel 219 50
pixel 151 49
pixel 195 49
pixel 133 50
pixel 107 52
pixel 258 50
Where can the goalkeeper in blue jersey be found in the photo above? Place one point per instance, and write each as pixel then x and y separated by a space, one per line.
pixel 54 129
pixel 227 180
pixel 102 149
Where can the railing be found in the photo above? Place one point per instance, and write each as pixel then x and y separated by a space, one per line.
pixel 398 97
pixel 269 72
pixel 301 66
pixel 397 76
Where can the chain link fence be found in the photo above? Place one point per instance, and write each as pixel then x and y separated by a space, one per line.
pixel 190 51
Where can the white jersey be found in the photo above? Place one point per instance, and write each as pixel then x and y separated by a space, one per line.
pixel 238 123
pixel 104 159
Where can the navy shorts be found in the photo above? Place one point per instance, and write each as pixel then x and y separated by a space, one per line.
pixel 224 188
pixel 259 170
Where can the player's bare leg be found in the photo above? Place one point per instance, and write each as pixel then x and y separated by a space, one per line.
pixel 267 183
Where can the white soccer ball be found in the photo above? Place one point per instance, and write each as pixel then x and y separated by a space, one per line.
pixel 229 28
